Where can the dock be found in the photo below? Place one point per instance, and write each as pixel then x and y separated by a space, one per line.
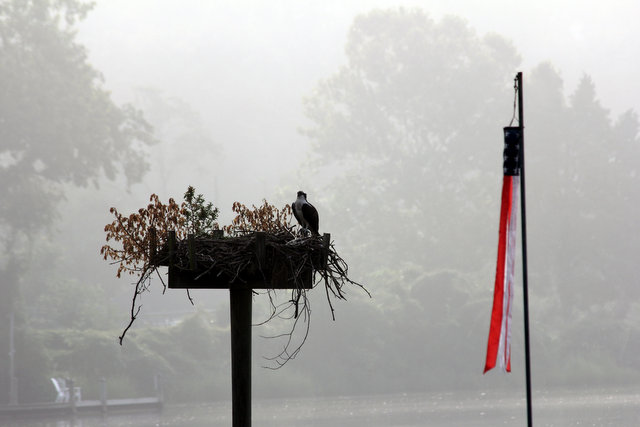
pixel 84 407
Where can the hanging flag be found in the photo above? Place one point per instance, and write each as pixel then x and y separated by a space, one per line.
pixel 499 345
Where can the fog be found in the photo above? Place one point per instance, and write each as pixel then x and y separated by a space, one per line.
pixel 389 115
pixel 245 67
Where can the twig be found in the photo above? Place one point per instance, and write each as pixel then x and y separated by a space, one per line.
pixel 134 312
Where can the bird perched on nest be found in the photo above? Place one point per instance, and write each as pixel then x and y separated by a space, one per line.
pixel 305 213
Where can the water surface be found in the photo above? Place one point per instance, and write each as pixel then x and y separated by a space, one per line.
pixel 615 408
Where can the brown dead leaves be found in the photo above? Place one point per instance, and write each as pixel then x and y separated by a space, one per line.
pixel 132 233
pixel 132 237
pixel 266 217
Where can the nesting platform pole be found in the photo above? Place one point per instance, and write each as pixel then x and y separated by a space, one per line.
pixel 263 274
pixel 240 311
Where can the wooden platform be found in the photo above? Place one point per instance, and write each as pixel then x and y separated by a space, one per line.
pixel 195 263
pixel 85 407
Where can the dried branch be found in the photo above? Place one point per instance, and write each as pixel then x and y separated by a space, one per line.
pixel 140 287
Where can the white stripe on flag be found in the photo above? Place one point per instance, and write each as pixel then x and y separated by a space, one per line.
pixel 504 352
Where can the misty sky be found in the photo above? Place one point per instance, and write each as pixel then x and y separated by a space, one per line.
pixel 128 39
pixel 244 66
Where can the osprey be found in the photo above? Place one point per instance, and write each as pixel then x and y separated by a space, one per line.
pixel 305 213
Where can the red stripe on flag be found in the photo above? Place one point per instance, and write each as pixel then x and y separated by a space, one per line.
pixel 499 343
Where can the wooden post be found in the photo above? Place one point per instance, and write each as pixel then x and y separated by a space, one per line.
pixel 72 395
pixel 153 245
pixel 240 301
pixel 171 244
pixel 240 307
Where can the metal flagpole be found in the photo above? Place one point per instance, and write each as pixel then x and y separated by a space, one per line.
pixel 525 285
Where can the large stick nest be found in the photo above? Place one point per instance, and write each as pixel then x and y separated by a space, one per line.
pixel 235 260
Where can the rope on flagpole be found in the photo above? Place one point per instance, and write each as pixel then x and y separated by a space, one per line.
pixel 515 101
